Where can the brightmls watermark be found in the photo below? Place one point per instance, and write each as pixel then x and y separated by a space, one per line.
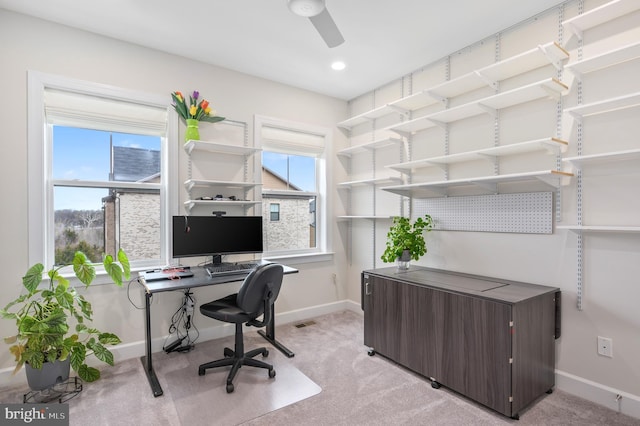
pixel 34 414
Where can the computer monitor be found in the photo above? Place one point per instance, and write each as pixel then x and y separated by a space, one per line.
pixel 216 236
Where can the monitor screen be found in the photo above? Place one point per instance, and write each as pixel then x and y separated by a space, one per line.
pixel 216 235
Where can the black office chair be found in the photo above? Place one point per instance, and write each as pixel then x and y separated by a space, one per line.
pixel 255 298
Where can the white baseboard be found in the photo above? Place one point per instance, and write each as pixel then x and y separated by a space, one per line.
pixel 614 399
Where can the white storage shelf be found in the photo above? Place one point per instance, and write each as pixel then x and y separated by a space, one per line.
pixel 189 184
pixel 551 145
pixel 605 59
pixel 600 229
pixel 218 147
pixel 369 182
pixel 190 204
pixel 369 146
pixel 542 89
pixel 489 76
pixel 489 184
pixel 604 158
pixel 604 106
pixel 605 13
pixel 361 217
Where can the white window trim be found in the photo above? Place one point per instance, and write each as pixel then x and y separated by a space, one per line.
pixel 40 194
pixel 323 251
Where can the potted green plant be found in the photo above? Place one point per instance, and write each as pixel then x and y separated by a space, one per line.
pixel 45 316
pixel 405 240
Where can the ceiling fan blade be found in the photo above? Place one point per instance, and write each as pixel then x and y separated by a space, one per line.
pixel 327 28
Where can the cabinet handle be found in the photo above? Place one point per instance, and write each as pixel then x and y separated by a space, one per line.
pixel 367 290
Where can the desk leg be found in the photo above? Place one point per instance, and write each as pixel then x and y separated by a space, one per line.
pixel 146 360
pixel 270 336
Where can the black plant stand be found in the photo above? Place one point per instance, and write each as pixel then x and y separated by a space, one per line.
pixel 61 392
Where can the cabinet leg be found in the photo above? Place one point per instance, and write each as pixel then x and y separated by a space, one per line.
pixel 371 352
pixel 435 384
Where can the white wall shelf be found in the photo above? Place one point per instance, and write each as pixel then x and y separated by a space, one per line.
pixel 604 158
pixel 369 182
pixel 218 147
pixel 605 59
pixel 368 116
pixel 347 217
pixel 190 204
pixel 489 184
pixel 550 53
pixel 607 105
pixel 489 76
pixel 600 229
pixel 605 13
pixel 189 184
pixel 368 146
pixel 550 87
pixel 551 145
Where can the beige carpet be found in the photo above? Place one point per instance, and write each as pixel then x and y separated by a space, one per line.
pixel 356 389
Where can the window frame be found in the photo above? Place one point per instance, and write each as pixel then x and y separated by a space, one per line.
pixel 276 212
pixel 40 154
pixel 322 251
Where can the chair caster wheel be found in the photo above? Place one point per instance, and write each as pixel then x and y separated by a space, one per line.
pixel 228 353
pixel 200 371
pixel 229 387
pixel 272 373
pixel 435 385
pixel 265 353
pixel 371 352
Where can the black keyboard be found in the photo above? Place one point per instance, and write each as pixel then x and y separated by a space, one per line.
pixel 230 269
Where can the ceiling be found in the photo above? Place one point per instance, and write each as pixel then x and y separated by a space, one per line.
pixel 385 39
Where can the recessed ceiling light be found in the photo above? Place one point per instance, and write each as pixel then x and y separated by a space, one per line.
pixel 338 65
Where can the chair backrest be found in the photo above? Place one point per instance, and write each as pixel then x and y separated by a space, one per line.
pixel 260 289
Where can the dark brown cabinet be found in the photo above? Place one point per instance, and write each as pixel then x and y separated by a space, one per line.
pixel 491 340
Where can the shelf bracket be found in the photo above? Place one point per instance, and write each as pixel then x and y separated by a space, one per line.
pixel 440 124
pixel 402 111
pixel 189 206
pixel 489 157
pixel 438 97
pixel 489 110
pixel 550 180
pixel 402 133
pixel 491 83
pixel 491 187
pixel 552 93
pixel 556 63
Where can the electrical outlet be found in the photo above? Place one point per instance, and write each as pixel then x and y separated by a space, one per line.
pixel 605 346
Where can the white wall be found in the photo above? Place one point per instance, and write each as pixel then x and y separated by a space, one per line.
pixel 611 261
pixel 32 44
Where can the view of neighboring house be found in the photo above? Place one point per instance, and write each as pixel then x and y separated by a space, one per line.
pixel 288 220
pixel 127 211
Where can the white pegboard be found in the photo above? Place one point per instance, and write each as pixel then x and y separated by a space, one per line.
pixel 528 213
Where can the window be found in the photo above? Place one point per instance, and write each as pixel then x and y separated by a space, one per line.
pixel 293 187
pixel 101 180
pixel 274 209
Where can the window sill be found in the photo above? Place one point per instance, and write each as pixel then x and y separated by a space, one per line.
pixel 296 259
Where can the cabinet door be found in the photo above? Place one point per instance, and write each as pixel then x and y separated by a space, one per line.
pixel 476 348
pixel 399 323
pixel 382 315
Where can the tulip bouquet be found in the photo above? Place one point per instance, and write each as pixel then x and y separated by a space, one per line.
pixel 196 109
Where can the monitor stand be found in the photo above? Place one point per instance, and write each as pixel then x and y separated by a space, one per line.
pixel 216 261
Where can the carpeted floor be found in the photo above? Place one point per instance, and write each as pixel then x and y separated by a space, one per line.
pixel 356 389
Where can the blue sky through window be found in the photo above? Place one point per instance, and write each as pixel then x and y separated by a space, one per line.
pixel 84 154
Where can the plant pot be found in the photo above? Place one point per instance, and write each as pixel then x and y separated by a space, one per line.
pixel 404 261
pixel 51 374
